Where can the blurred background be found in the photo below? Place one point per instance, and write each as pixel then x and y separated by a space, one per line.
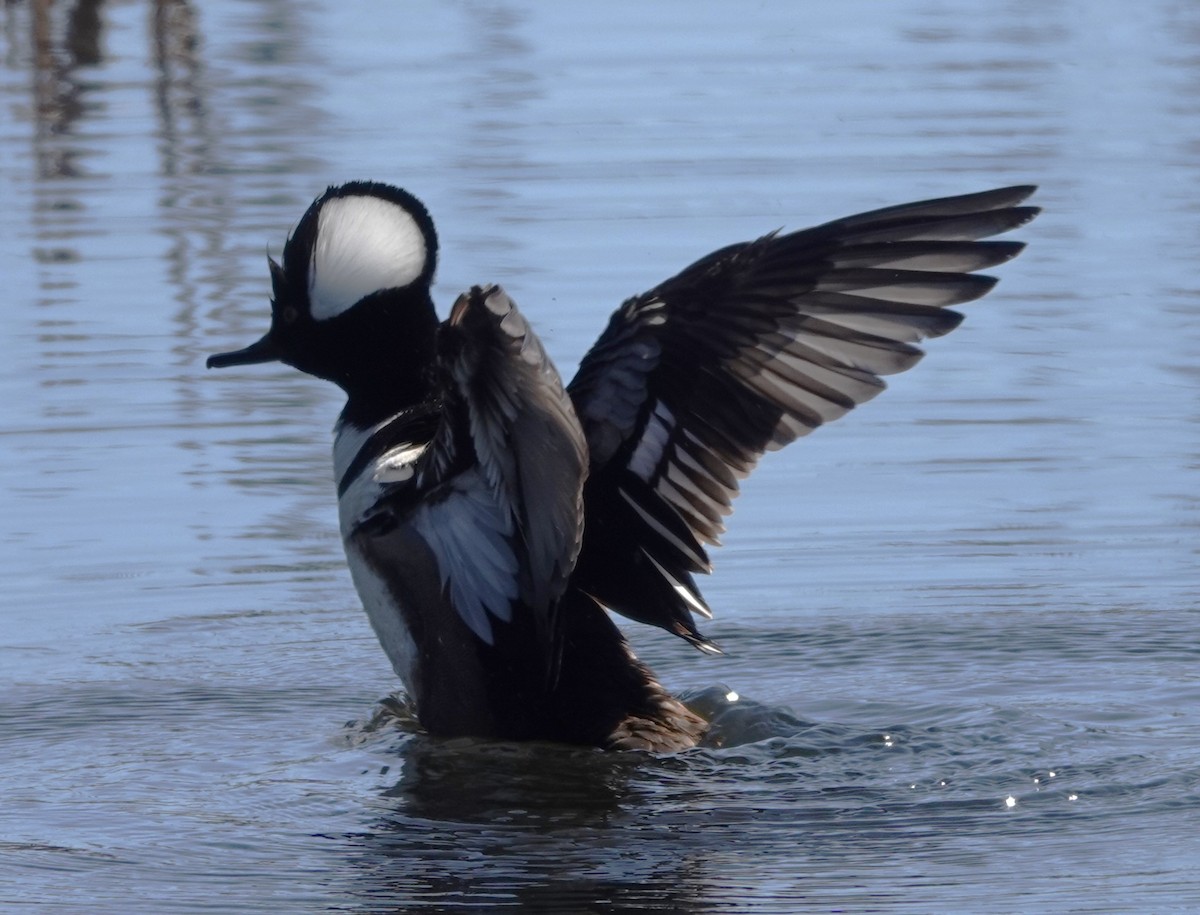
pixel 968 610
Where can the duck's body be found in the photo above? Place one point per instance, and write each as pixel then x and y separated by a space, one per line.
pixel 462 520
pixel 490 516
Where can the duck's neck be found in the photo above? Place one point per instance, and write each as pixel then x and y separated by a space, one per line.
pixel 394 365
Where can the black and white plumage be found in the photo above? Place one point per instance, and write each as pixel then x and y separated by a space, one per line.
pixel 490 515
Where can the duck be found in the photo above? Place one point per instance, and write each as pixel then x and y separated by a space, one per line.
pixel 494 518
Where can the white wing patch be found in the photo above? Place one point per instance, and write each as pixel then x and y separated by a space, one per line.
pixel 364 244
pixel 470 533
pixel 399 464
pixel 645 458
pixel 393 466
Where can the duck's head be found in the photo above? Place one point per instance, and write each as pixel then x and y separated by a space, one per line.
pixel 351 299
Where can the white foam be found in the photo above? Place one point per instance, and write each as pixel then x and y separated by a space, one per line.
pixel 364 244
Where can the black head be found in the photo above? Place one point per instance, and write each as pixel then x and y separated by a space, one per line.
pixel 351 301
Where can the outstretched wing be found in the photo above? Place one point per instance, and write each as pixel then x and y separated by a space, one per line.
pixel 743 352
pixel 500 485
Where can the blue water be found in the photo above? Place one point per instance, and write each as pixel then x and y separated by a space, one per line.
pixel 962 622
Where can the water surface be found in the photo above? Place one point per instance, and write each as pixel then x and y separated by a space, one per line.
pixel 963 620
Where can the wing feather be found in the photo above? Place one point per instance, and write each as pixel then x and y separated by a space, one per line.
pixel 744 351
pixel 531 454
pixel 471 536
pixel 498 490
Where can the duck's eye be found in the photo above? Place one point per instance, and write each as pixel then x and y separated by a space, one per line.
pixel 288 314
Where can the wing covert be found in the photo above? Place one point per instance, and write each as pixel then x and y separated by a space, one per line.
pixel 500 485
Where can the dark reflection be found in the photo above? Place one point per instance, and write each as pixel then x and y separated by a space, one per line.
pixel 187 148
pixel 162 157
pixel 207 167
pixel 228 105
pixel 520 784
pixel 178 87
pixel 558 829
pixel 214 177
pixel 555 829
pixel 63 47
pixel 60 51
pixel 67 61
pixel 546 828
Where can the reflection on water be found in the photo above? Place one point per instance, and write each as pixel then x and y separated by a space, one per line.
pixel 986 577
pixel 545 828
pixel 831 812
pixel 59 97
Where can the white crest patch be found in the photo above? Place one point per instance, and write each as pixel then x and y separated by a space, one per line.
pixel 364 244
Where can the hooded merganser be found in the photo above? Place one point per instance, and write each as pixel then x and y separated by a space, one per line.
pixel 490 515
